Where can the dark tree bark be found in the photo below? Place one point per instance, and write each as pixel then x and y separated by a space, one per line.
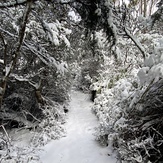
pixel 16 52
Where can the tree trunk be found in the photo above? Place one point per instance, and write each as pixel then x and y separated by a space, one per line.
pixel 39 96
pixel 151 6
pixel 2 91
pixel 16 52
pixel 145 8
pixel 38 93
pixel 141 7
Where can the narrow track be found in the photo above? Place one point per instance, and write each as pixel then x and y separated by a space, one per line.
pixel 79 146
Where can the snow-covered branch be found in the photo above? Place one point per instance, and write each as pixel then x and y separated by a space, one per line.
pixel 137 43
pixel 47 59
pixel 20 38
pixel 36 86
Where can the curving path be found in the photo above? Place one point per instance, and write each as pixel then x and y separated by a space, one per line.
pixel 79 146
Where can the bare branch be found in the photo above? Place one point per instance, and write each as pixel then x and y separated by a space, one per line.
pixel 6 133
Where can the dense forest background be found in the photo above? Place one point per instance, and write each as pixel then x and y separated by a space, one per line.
pixel 111 48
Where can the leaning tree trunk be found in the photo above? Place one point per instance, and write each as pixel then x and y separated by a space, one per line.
pixel 145 8
pixel 16 53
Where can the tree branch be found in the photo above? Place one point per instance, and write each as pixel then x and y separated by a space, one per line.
pixel 137 43
pixel 21 35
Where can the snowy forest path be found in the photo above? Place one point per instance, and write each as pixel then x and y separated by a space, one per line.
pixel 79 145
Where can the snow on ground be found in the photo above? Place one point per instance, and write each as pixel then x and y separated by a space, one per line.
pixel 79 145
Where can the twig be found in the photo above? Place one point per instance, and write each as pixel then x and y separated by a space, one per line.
pixel 5 133
pixel 157 132
pixel 32 116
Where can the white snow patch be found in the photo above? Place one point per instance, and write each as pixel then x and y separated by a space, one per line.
pixel 8 69
pixel 79 146
pixel 66 41
pixel 1 61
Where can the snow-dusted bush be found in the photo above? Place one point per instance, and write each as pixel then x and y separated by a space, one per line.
pixel 30 138
pixel 144 110
pixel 130 107
pixel 108 108
pixel 145 124
pixel 153 65
pixel 57 86
pixel 51 126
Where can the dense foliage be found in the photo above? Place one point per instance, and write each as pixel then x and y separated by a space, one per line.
pixel 105 46
pixel 129 106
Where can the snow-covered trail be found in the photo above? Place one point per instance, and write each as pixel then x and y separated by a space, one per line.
pixel 79 145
